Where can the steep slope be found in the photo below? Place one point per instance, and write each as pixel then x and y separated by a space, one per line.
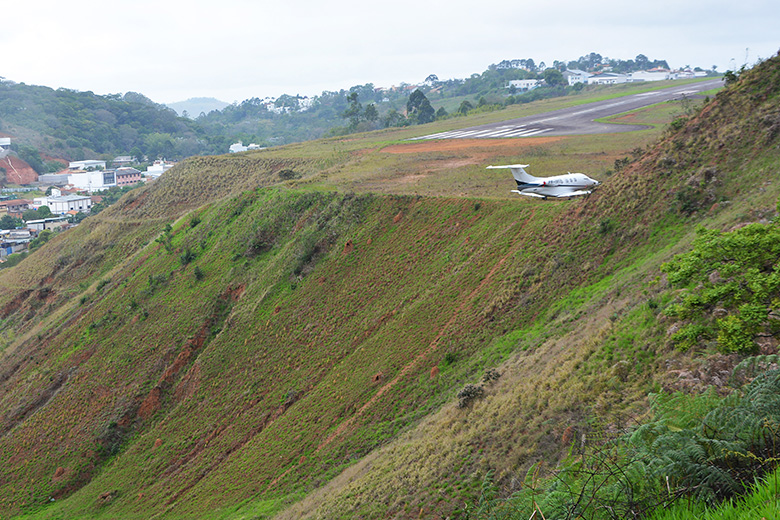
pixel 211 348
pixel 17 171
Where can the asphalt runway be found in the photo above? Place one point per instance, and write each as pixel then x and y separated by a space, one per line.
pixel 580 119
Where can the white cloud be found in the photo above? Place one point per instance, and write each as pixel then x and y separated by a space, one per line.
pixel 236 49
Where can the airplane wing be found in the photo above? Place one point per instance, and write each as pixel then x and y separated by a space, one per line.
pixel 529 194
pixel 508 166
pixel 573 193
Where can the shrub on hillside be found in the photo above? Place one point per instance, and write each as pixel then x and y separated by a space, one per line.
pixel 469 394
pixel 731 285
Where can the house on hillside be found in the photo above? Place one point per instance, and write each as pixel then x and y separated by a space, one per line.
pixel 89 164
pixel 122 160
pixel 14 207
pixel 576 76
pixel 524 85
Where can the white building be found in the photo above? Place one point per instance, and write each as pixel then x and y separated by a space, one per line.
pixel 61 205
pixel 524 85
pixel 647 75
pixel 239 147
pixel 608 79
pixel 89 164
pixel 91 181
pixel 158 168
pixel 576 76
pixel 5 147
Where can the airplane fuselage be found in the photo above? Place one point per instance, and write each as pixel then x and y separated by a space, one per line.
pixel 559 186
pixel 567 185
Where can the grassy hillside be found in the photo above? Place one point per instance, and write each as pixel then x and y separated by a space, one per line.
pixel 284 332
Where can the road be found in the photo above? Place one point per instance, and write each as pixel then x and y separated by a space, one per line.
pixel 579 119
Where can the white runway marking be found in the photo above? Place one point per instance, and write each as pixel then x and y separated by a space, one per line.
pixel 492 133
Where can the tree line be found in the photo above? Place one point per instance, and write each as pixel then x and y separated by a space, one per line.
pixel 72 125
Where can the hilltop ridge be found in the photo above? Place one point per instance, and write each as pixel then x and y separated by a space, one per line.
pixel 285 332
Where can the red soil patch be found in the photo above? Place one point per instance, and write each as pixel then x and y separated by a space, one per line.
pixel 17 171
pixel 151 404
pixel 60 474
pixel 434 372
pixel 349 247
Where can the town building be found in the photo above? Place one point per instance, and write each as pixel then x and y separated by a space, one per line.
pixel 127 176
pixel 48 223
pixel 607 78
pixel 13 241
pixel 122 160
pixel 89 164
pixel 61 205
pixel 158 168
pixel 53 179
pixel 5 147
pixel 650 75
pixel 14 207
pixel 94 180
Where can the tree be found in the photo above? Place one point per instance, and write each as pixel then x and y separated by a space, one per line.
pixel 31 214
pixel 431 79
pixel 9 222
pixel 394 118
pixel 370 113
pixel 553 77
pixel 419 108
pixel 464 107
pixel 354 110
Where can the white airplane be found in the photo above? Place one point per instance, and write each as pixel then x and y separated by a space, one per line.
pixel 560 186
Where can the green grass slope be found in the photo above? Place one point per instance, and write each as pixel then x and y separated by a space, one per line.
pixel 284 332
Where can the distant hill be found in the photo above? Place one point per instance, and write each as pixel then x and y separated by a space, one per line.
pixel 193 107
pixel 71 125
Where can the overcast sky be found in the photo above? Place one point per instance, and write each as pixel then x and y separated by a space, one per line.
pixel 237 49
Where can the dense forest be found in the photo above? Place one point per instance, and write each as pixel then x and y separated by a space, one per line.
pixel 64 124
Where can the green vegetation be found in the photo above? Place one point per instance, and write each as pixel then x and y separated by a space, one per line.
pixel 733 288
pixel 286 332
pixel 693 454
pixel 74 125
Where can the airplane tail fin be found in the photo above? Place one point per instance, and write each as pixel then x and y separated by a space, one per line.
pixel 519 173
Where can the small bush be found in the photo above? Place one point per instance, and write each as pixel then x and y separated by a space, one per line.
pixel 450 358
pixel 468 394
pixel 491 375
pixel 187 256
